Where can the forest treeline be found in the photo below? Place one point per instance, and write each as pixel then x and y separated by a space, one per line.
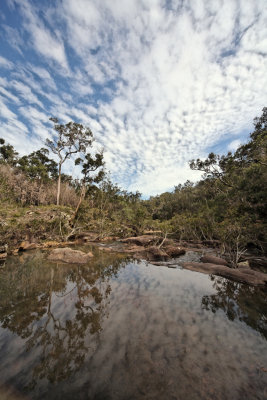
pixel 228 204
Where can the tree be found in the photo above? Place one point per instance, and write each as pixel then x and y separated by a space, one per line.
pixel 7 153
pixel 38 165
pixel 89 164
pixel 71 138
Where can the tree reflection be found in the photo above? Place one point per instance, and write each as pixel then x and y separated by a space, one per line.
pixel 239 301
pixel 57 309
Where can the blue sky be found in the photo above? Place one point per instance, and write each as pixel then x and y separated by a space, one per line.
pixel 158 82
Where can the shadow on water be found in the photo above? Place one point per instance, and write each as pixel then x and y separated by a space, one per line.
pixel 116 329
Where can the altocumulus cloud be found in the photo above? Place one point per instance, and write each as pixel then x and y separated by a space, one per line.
pixel 158 82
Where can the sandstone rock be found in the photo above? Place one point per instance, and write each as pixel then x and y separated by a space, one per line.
pixel 53 243
pixel 3 256
pixel 27 246
pixel 71 256
pixel 134 249
pixel 244 275
pixel 173 251
pixel 144 240
pixel 152 253
pixel 207 258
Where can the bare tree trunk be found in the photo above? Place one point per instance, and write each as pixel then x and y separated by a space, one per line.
pixel 58 184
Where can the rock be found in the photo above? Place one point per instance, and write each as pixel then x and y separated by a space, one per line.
pixel 152 253
pixel 27 246
pixel 68 255
pixel 15 252
pixel 243 264
pixel 243 275
pixel 3 256
pixel 3 249
pixel 134 249
pixel 105 248
pixel 213 260
pixel 146 240
pixel 173 251
pixel 53 243
pixel 85 236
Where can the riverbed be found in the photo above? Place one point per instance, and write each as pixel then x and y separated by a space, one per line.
pixel 123 329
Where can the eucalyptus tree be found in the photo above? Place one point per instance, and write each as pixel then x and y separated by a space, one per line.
pixel 90 164
pixel 69 139
pixel 38 165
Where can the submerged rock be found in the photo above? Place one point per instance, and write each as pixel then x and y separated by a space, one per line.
pixel 71 256
pixel 243 275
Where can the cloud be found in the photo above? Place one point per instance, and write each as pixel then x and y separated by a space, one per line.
pixel 4 63
pixel 233 146
pixel 46 43
pixel 158 82
pixel 14 38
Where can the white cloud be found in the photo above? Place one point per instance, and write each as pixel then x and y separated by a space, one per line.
pixel 233 146
pixel 158 85
pixel 4 63
pixel 45 42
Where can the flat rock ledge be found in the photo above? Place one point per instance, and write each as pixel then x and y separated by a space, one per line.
pixel 243 275
pixel 145 240
pixel 70 256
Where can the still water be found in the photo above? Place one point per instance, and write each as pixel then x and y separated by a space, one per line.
pixel 118 329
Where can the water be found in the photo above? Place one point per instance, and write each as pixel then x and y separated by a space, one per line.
pixel 118 329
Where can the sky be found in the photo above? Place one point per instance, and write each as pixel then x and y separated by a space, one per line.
pixel 159 82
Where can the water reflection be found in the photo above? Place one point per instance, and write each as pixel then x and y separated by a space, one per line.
pixel 120 330
pixel 239 301
pixel 56 308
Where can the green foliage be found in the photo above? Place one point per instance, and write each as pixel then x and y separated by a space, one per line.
pixel 38 165
pixel 7 153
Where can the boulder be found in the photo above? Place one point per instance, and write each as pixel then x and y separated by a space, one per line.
pixel 174 251
pixel 71 256
pixel 243 275
pixel 207 258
